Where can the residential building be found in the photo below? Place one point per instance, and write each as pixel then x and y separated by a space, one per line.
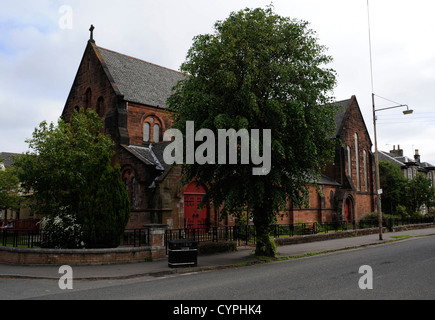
pixel 410 167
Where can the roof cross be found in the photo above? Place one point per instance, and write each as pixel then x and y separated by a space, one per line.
pixel 91 29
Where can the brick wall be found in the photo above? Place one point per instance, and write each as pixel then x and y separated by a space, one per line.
pixel 156 250
pixel 77 257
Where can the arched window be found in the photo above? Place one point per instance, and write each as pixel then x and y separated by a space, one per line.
pixel 88 98
pixel 366 183
pixel 146 132
pixel 128 177
pixel 331 199
pixel 100 107
pixel 151 129
pixel 358 182
pixel 349 162
pixel 156 133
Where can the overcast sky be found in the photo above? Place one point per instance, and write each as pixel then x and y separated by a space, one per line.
pixel 42 43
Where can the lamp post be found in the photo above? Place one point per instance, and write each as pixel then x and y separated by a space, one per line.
pixel 406 112
pixel 378 187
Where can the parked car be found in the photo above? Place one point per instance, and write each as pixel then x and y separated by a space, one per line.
pixel 8 225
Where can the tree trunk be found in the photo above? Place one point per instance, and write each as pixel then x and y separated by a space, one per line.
pixel 262 221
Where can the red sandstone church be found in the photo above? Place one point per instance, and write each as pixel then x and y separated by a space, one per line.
pixel 130 96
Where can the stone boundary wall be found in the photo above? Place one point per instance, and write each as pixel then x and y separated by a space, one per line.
pixel 344 234
pixel 79 256
pixel 35 256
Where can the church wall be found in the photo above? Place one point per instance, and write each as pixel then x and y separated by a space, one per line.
pixel 90 75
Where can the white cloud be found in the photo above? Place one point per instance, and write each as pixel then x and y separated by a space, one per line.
pixel 38 59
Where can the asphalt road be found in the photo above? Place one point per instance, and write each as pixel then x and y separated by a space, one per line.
pixel 402 270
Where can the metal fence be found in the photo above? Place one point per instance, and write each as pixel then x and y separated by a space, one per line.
pixel 242 234
pixel 35 238
pixel 246 234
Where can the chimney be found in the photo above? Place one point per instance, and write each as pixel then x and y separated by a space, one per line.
pixel 398 152
pixel 417 156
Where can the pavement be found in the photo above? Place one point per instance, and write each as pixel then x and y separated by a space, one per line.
pixel 243 256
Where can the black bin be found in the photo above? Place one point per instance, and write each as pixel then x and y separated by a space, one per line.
pixel 182 253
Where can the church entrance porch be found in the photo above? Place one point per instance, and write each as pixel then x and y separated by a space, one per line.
pixel 195 217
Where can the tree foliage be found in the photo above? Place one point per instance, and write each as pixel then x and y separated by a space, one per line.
pixel 401 195
pixel 105 211
pixel 70 166
pixel 260 71
pixel 393 184
pixel 9 189
pixel 419 192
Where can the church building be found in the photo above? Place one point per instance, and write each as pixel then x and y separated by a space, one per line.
pixel 130 96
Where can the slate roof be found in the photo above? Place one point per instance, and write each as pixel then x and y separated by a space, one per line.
pixel 147 156
pixel 385 156
pixel 339 116
pixel 404 161
pixel 140 81
pixel 6 158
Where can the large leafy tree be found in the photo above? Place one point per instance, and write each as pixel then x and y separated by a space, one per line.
pixel 259 70
pixel 69 165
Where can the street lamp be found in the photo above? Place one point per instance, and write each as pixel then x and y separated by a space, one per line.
pixel 378 188
pixel 406 112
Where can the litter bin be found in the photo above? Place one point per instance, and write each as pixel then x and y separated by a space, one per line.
pixel 182 253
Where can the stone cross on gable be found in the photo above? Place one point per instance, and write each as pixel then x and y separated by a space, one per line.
pixel 91 29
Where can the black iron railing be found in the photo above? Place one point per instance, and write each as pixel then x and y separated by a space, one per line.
pixel 35 238
pixel 245 234
pixel 242 234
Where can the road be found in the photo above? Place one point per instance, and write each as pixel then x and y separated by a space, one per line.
pixel 401 270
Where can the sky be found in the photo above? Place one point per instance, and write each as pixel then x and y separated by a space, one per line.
pixel 42 43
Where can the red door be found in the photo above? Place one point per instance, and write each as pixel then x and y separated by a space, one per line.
pixel 193 217
pixel 347 210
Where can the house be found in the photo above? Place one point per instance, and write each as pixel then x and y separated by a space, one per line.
pixel 130 96
pixel 410 167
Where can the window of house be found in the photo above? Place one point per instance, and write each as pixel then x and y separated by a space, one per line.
pixel 349 163
pixel 358 182
pixel 409 173
pixel 429 176
pixel 151 129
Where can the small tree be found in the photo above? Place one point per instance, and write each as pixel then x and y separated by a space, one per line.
pixel 419 192
pixel 70 166
pixel 9 190
pixel 105 210
pixel 393 185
